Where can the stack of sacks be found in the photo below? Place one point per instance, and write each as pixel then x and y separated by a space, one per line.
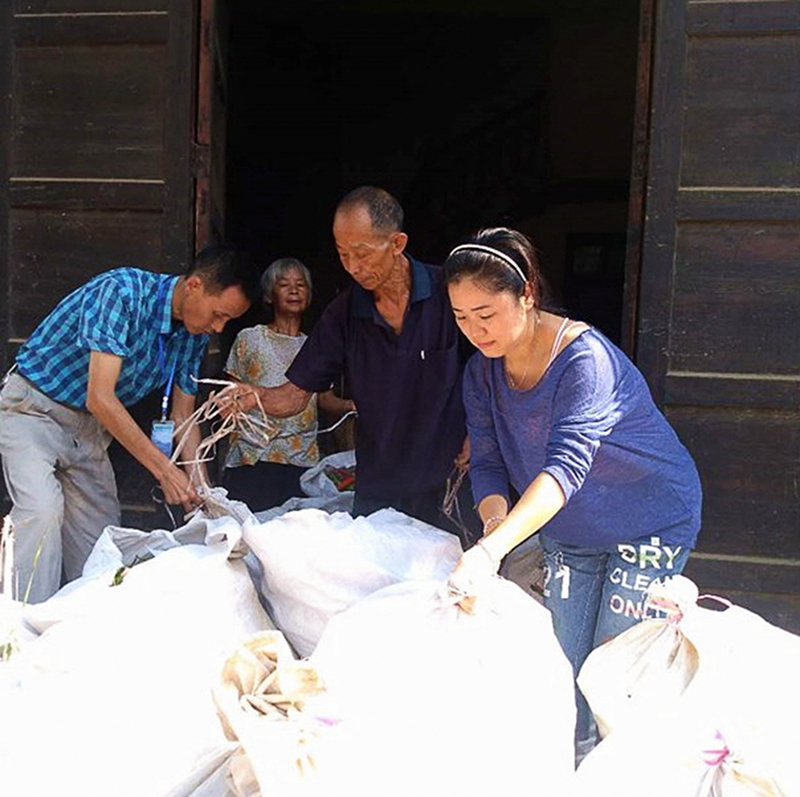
pixel 407 694
pixel 702 703
pixel 114 695
pixel 315 565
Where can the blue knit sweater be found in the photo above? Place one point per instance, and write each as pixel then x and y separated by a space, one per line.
pixel 591 423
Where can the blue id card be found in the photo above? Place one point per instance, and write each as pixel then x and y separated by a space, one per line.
pixel 161 435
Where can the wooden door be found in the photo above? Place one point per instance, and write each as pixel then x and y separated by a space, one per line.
pixel 209 147
pixel 719 301
pixel 96 129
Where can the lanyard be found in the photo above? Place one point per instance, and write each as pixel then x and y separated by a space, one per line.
pixel 169 380
pixel 162 363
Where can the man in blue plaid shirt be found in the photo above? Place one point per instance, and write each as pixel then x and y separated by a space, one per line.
pixel 107 345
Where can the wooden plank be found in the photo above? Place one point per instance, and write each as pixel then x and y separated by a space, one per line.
pixel 733 390
pixel 66 31
pixel 749 575
pixel 735 306
pixel 53 252
pixel 219 125
pixel 742 204
pixel 749 463
pixel 87 6
pixel 178 233
pixel 203 122
pixel 737 18
pixel 75 194
pixel 741 126
pixel 110 120
pixel 97 148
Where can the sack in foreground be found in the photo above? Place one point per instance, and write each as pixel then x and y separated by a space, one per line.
pixel 422 698
pixel 712 696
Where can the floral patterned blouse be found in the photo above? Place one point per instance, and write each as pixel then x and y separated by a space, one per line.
pixel 260 357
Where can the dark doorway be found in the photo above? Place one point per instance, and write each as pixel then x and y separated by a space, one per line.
pixel 472 115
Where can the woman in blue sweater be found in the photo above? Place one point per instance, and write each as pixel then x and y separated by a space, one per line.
pixel 561 415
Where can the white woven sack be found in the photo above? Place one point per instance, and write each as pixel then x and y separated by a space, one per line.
pixel 316 565
pixel 315 482
pixel 730 729
pixel 431 700
pixel 650 664
pixel 114 697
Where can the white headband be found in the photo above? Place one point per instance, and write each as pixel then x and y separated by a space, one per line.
pixel 490 251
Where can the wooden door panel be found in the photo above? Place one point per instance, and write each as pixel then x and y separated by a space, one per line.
pixel 98 136
pixel 751 507
pixel 741 124
pixel 53 252
pixel 735 306
pixel 73 120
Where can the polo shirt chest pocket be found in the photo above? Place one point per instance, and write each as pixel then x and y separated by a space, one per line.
pixel 436 369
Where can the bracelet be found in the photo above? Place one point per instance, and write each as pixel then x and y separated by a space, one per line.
pixel 496 521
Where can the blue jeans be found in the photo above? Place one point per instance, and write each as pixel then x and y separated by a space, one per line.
pixel 595 594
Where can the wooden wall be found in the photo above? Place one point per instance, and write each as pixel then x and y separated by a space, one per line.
pixel 97 161
pixel 96 170
pixel 719 313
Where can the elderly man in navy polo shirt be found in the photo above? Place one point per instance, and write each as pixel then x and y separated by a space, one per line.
pixel 103 348
pixel 393 336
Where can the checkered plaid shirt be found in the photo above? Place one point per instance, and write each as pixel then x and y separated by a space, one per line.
pixel 122 312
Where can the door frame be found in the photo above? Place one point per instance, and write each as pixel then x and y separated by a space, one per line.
pixel 638 179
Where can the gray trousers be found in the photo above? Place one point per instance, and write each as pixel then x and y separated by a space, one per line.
pixel 59 477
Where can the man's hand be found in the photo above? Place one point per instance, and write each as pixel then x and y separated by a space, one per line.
pixel 178 489
pixel 102 402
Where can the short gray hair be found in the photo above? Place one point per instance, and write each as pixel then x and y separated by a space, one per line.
pixel 385 212
pixel 280 268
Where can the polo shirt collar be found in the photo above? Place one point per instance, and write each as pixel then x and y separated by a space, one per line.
pixel 364 304
pixel 163 307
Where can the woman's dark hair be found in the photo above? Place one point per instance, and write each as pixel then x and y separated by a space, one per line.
pixel 492 269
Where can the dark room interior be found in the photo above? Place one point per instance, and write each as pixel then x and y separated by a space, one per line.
pixel 472 114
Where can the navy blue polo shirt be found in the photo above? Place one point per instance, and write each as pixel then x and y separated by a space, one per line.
pixel 407 387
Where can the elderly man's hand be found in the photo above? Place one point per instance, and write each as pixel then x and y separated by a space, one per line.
pixel 236 398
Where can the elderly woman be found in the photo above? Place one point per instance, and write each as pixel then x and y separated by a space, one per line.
pixel 560 414
pixel 264 477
